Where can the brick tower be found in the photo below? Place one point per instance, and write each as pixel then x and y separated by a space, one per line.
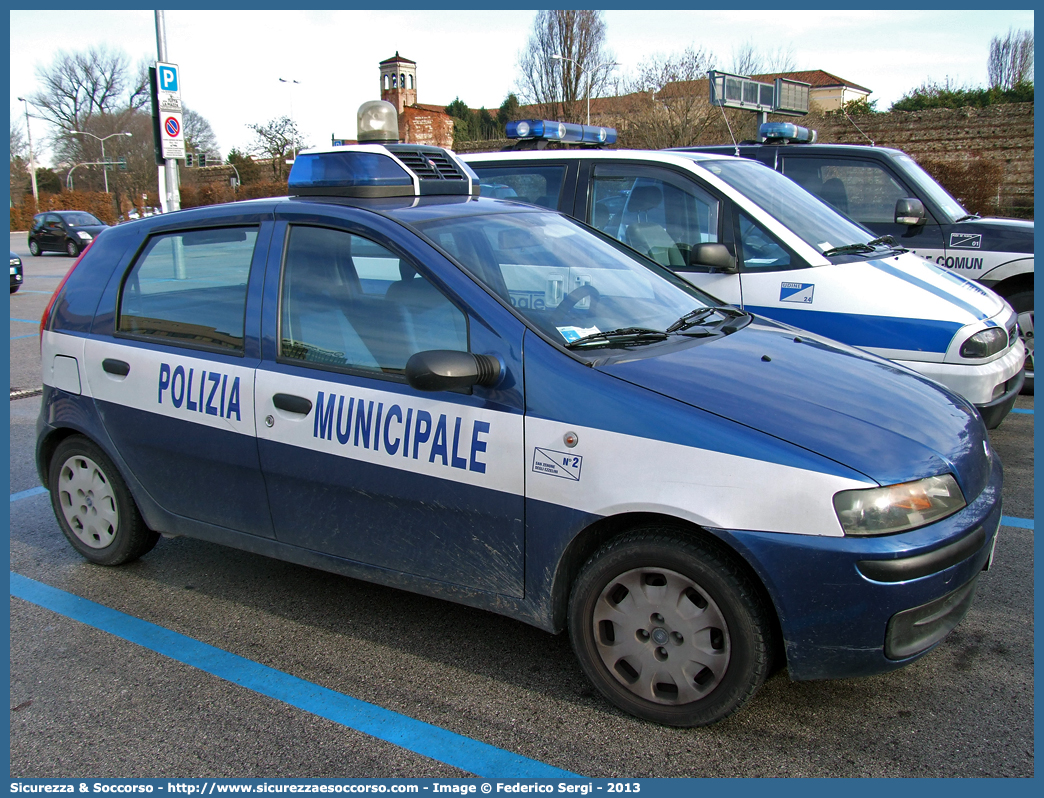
pixel 399 82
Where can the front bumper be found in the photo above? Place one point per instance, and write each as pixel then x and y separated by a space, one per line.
pixel 976 383
pixel 847 605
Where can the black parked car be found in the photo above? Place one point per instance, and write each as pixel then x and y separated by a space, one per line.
pixel 63 231
pixel 16 272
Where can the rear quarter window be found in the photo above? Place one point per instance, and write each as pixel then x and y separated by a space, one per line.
pixel 189 289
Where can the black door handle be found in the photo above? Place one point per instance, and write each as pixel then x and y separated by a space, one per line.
pixel 292 404
pixel 118 367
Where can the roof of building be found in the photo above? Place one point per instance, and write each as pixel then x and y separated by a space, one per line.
pixel 817 78
pixel 397 59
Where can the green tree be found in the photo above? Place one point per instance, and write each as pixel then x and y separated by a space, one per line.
pixel 249 170
pixel 508 111
pixel 463 128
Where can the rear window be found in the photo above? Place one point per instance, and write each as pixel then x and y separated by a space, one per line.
pixel 536 185
pixel 189 289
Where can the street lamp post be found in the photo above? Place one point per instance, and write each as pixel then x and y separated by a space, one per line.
pixel 590 76
pixel 291 83
pixel 105 164
pixel 32 160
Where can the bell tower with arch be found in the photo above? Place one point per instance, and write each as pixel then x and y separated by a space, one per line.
pixel 399 81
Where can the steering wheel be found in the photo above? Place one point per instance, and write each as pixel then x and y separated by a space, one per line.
pixel 573 298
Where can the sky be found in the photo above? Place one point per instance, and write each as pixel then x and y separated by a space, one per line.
pixel 231 61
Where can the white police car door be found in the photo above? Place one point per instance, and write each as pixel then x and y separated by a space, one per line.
pixel 170 365
pixel 357 463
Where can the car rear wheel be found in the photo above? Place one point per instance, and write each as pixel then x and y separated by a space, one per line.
pixel 72 249
pixel 669 628
pixel 34 248
pixel 1022 302
pixel 94 507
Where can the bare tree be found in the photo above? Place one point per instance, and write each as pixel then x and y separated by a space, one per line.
pixel 19 163
pixel 666 104
pixel 1011 60
pixel 274 141
pixel 199 135
pixel 560 86
pixel 80 87
pixel 748 59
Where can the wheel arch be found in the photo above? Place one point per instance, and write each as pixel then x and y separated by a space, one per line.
pixel 592 537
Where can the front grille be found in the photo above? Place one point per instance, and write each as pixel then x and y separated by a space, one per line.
pixel 1013 334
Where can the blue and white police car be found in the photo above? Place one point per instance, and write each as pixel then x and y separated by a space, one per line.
pixel 752 237
pixel 388 377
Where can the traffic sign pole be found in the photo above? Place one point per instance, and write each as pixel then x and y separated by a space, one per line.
pixel 170 191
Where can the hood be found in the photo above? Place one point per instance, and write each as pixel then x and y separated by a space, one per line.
pixel 861 411
pixel 991 235
pixel 920 289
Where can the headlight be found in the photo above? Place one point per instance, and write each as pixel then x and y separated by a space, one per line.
pixel 16 261
pixel 84 235
pixel 985 343
pixel 896 508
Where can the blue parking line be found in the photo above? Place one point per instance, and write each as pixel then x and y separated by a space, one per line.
pixel 25 494
pixel 27 321
pixel 431 741
pixel 1020 410
pixel 30 335
pixel 1018 523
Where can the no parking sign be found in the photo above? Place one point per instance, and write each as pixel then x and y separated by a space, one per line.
pixel 168 91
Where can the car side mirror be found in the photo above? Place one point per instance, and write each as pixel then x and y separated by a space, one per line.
pixel 910 212
pixel 711 258
pixel 449 370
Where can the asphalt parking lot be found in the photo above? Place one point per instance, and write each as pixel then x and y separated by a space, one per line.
pixel 86 702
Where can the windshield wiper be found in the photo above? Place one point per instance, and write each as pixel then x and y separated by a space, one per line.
pixel 863 249
pixel 969 216
pixel 624 335
pixel 694 317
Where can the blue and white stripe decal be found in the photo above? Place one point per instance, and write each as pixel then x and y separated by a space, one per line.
pixel 461 441
pixel 455 441
pixel 608 473
pixel 868 331
pixel 967 295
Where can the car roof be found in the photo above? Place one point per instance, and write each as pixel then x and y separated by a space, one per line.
pixel 797 148
pixel 580 154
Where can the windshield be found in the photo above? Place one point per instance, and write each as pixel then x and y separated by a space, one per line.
pixel 804 214
pixel 566 281
pixel 82 219
pixel 935 192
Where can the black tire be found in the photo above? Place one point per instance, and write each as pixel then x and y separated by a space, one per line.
pixel 72 249
pixel 1022 302
pixel 34 248
pixel 674 668
pixel 93 506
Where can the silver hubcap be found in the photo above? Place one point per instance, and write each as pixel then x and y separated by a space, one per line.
pixel 87 502
pixel 1026 328
pixel 661 636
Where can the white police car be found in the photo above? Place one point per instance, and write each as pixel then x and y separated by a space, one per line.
pixel 751 237
pixel 387 377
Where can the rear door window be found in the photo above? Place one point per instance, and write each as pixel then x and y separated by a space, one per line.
pixel 535 185
pixel 189 289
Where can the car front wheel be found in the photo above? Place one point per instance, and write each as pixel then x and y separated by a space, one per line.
pixel 72 249
pixel 670 628
pixel 94 507
pixel 34 248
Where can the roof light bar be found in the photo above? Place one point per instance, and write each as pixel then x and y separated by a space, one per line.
pixel 560 131
pixel 785 131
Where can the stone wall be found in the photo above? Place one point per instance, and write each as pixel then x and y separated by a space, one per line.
pixel 956 145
